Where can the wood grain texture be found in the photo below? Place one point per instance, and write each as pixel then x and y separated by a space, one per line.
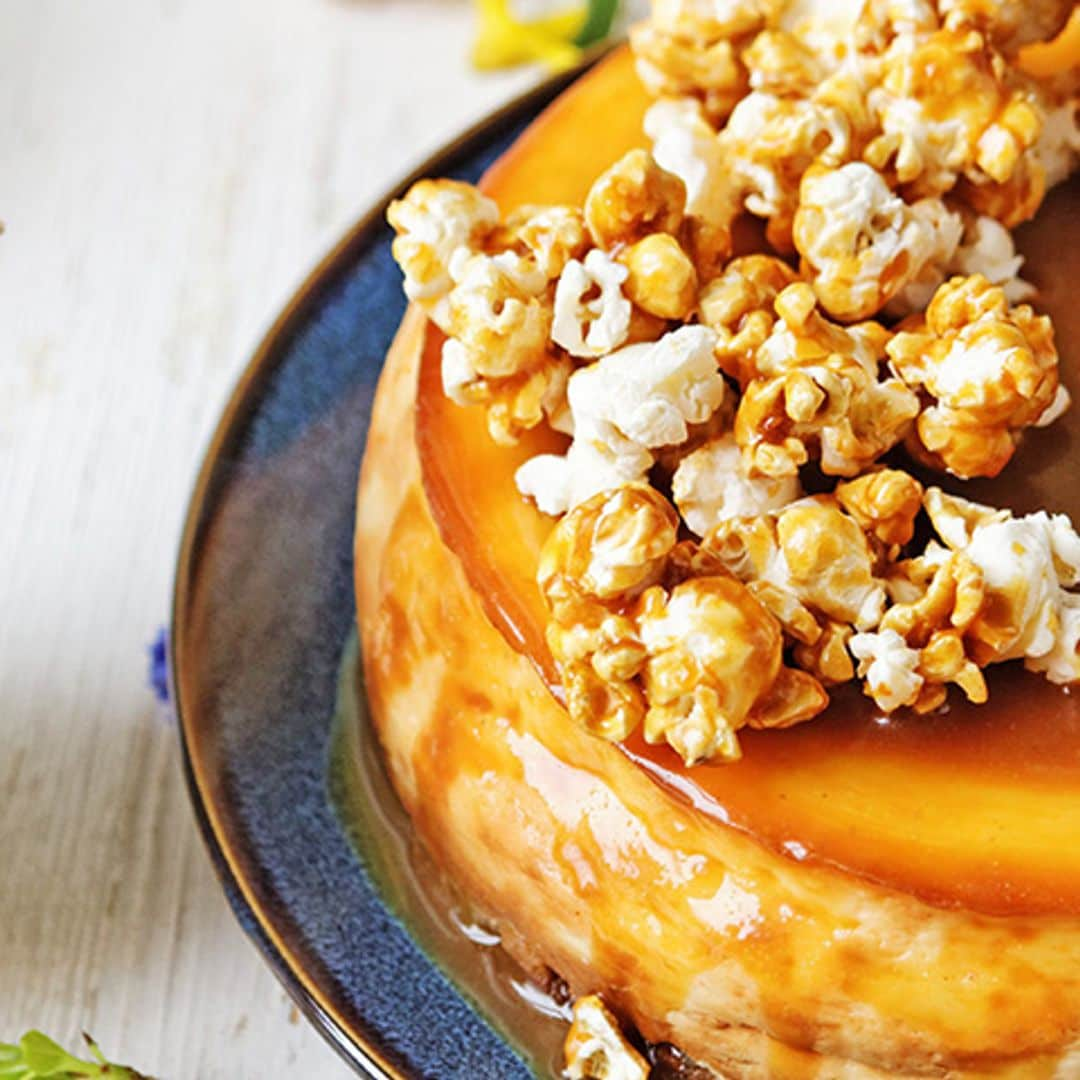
pixel 169 170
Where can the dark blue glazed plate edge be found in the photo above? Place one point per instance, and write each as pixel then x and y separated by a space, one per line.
pixel 252 664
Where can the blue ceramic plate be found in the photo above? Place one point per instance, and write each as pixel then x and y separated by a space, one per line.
pixel 263 612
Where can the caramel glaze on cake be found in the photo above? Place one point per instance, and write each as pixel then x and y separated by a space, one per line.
pixel 854 898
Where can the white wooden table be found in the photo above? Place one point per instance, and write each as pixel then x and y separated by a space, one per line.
pixel 169 170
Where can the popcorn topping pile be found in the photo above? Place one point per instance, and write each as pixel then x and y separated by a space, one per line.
pixel 889 149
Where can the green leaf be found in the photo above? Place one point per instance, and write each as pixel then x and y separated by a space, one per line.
pixel 598 20
pixel 12 1066
pixel 37 1057
pixel 45 1057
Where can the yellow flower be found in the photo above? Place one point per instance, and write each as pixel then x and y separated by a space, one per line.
pixel 503 40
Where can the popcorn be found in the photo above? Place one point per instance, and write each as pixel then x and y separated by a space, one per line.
pixel 919 647
pixel 634 198
pixel 817 389
pixel 592 317
pixel 880 22
pixel 991 370
pixel 827 659
pixel 1027 564
pixel 661 279
pixel 712 484
pixel 769 143
pixel 1012 201
pixel 434 220
pixel 738 305
pixel 551 235
pixel 695 663
pixel 486 285
pixel 861 244
pixel 715 665
pixel 885 504
pixel 497 312
pixel 985 247
pixel 598 558
pixel 685 144
pixel 1058 146
pixel 891 144
pixel 779 61
pixel 713 19
pixel 499 319
pixel 946 108
pixel 890 668
pixel 625 406
pixel 692 49
pixel 595 1048
pixel 810 552
pixel 672 66
pixel 1008 24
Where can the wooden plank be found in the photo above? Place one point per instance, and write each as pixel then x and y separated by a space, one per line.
pixel 169 171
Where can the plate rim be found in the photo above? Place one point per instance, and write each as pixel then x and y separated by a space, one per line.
pixel 358 1049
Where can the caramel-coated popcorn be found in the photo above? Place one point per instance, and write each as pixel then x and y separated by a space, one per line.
pixel 695 662
pixel 715 665
pixel 633 198
pixel 769 143
pixel 692 48
pixel 990 370
pixel 819 390
pixel 661 279
pixel 812 551
pixel 1028 564
pixel 919 646
pixel 1009 24
pixel 497 354
pixel 551 235
pixel 434 220
pixel 598 559
pixel 860 243
pixel 738 306
pixel 947 108
pixel 885 504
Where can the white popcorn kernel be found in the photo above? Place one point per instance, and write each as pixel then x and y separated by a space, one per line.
pixel 863 244
pixel 889 666
pixel 712 484
pixel 1027 564
pixel 625 406
pixel 457 372
pixel 685 144
pixel 987 248
pixel 587 325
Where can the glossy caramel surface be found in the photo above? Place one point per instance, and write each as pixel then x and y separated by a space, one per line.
pixel 975 807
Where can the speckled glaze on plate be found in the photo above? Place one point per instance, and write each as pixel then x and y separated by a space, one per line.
pixel 262 611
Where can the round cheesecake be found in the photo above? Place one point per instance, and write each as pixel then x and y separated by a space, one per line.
pixel 860 896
